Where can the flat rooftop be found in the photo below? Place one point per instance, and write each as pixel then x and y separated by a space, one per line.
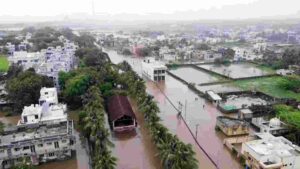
pixel 271 145
pixel 227 121
pixel 25 133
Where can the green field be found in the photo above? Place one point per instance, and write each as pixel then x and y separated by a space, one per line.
pixel 269 85
pixel 3 64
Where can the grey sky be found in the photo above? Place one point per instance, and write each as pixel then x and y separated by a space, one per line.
pixel 184 9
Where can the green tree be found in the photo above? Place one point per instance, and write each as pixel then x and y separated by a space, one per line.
pixel 24 89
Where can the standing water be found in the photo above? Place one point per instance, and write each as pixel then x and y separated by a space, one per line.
pixel 199 115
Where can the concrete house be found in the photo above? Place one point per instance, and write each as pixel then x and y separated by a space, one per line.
pixel 270 152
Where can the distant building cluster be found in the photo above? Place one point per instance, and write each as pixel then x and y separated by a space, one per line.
pixel 48 62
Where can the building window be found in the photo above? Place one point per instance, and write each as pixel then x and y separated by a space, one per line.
pixel 17 149
pixel 40 145
pixel 36 116
pixel 49 143
pixel 1 151
pixel 51 154
pixel 26 148
pixel 155 72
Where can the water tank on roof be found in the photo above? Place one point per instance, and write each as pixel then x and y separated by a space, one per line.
pixel 274 122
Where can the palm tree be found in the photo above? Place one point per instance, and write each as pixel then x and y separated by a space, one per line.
pixel 104 161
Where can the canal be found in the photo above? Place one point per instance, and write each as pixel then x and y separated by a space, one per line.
pixel 199 115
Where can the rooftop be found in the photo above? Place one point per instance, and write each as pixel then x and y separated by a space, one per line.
pixel 25 133
pixel 271 145
pixel 230 122
pixel 119 106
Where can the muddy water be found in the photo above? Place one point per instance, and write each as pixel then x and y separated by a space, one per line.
pixel 198 113
pixel 9 120
pixel 236 70
pixel 193 75
pixel 135 150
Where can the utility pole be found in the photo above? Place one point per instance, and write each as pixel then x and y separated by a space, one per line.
pixel 197 130
pixel 180 105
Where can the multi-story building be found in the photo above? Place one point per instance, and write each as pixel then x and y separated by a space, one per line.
pixel 48 110
pixel 270 152
pixel 56 60
pixel 36 143
pixel 153 69
pixel 27 60
pixel 48 62
pixel 43 133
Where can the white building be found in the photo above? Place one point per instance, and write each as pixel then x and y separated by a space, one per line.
pixel 270 152
pixel 273 126
pixel 48 111
pixel 56 60
pixel 36 143
pixel 27 60
pixel 153 69
pixel 44 133
pixel 48 95
pixel 49 62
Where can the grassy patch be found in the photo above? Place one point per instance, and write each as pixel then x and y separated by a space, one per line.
pixel 289 115
pixel 269 85
pixel 3 64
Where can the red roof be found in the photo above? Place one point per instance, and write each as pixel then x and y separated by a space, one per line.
pixel 119 106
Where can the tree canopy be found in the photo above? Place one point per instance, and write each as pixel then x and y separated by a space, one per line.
pixel 24 89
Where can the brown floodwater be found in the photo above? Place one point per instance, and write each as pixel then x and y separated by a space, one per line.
pixel 135 149
pixel 9 120
pixel 197 112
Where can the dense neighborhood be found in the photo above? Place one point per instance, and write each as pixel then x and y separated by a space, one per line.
pixel 217 96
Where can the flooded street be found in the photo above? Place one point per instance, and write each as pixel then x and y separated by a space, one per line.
pixel 197 112
pixel 135 150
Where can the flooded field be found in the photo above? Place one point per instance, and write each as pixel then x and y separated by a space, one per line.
pixel 237 70
pixel 192 75
pixel 197 112
pixel 219 88
pixel 240 101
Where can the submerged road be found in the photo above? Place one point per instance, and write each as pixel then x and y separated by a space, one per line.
pixel 199 117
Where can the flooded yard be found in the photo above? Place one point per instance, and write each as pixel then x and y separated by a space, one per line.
pixel 243 101
pixel 218 88
pixel 236 70
pixel 197 113
pixel 192 75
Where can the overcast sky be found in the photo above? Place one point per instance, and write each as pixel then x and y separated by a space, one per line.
pixel 213 8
